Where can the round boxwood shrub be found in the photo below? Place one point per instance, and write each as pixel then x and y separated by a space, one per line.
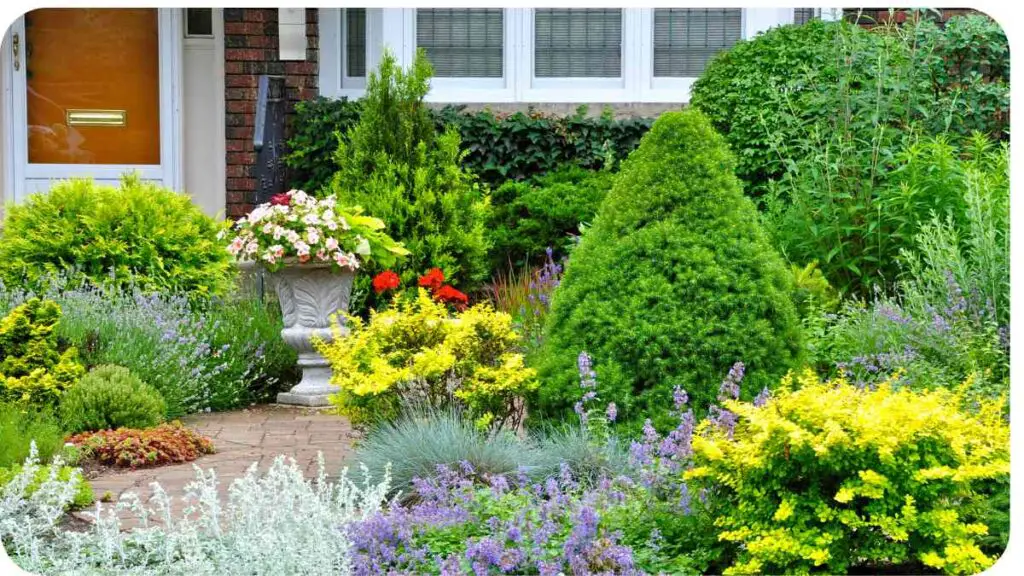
pixel 136 233
pixel 673 284
pixel 111 397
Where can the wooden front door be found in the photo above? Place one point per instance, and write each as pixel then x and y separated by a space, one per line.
pixel 92 95
pixel 92 86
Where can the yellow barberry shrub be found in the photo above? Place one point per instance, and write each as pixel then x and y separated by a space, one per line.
pixel 826 476
pixel 32 368
pixel 415 352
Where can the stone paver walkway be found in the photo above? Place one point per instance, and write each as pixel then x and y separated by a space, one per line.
pixel 241 438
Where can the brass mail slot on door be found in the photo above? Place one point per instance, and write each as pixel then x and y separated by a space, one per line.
pixel 96 117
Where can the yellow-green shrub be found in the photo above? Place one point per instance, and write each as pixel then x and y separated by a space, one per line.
pixel 32 368
pixel 828 476
pixel 415 352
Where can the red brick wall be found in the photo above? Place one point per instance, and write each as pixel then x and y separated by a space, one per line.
pixel 251 49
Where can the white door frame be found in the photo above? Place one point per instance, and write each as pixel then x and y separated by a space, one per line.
pixel 15 130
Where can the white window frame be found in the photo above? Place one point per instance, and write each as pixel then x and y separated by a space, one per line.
pixel 396 27
pixel 333 61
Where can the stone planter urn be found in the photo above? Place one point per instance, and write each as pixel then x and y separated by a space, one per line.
pixel 310 294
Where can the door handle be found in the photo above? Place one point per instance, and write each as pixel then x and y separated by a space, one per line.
pixel 16 46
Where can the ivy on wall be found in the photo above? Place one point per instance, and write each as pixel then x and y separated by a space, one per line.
pixel 499 147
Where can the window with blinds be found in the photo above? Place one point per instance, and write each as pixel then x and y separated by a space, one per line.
pixel 463 43
pixel 577 42
pixel 685 39
pixel 804 15
pixel 355 42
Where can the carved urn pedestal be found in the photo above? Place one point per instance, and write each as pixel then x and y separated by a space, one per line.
pixel 309 295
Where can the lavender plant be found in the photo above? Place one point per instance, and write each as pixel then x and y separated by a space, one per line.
pixel 201 356
pixel 272 523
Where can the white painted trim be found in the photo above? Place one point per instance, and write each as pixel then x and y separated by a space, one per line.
pixel 171 126
pixel 397 28
pixel 830 13
pixel 221 105
pixel 7 131
pixel 18 119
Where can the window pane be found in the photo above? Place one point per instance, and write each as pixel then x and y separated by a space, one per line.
pixel 685 39
pixel 580 42
pixel 355 42
pixel 804 15
pixel 199 22
pixel 464 43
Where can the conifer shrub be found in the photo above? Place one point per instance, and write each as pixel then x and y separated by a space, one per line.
pixel 396 166
pixel 33 368
pixel 674 283
pixel 530 217
pixel 137 233
pixel 110 397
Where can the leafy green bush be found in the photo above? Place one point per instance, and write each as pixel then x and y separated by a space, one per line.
pixel 19 426
pixel 137 233
pixel 110 397
pixel 83 491
pixel 525 145
pixel 672 284
pixel 855 215
pixel 318 125
pixel 765 94
pixel 949 320
pixel 743 90
pixel 830 476
pixel 499 147
pixel 530 216
pixel 395 167
pixel 33 370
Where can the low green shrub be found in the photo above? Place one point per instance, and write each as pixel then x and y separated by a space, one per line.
pixel 528 217
pixel 110 397
pixel 828 476
pixel 673 284
pixel 83 491
pixel 33 370
pixel 135 234
pixel 20 426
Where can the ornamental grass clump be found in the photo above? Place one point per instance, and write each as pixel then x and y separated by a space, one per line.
pixel 673 283
pixel 830 476
pixel 416 353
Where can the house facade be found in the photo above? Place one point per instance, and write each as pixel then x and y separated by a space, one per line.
pixel 171 93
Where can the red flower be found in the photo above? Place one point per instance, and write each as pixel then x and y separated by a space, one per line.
pixel 280 199
pixel 450 295
pixel 432 279
pixel 386 280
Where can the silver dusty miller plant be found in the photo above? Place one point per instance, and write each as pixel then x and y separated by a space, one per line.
pixel 272 523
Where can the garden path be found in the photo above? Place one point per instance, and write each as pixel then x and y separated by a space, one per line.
pixel 240 437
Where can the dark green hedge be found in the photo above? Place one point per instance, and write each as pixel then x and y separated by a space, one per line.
pixel 500 146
